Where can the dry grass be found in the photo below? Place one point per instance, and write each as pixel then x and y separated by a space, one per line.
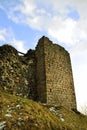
pixel 17 113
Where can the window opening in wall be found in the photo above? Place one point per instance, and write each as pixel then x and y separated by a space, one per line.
pixel 50 90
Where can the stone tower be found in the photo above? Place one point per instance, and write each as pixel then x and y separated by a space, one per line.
pixel 43 74
pixel 54 74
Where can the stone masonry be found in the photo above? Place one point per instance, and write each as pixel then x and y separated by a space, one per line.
pixel 54 74
pixel 43 74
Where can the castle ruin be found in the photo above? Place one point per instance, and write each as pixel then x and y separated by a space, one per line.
pixel 43 74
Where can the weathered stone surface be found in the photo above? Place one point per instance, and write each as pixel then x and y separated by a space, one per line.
pixel 54 74
pixel 17 73
pixel 43 74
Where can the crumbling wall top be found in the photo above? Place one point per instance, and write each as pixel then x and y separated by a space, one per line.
pixel 45 40
pixel 7 50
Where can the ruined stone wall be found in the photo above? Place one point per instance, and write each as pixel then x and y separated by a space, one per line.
pixel 43 74
pixel 40 72
pixel 58 74
pixel 30 59
pixel 17 73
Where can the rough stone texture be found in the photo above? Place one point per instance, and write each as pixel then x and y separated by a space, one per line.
pixel 40 72
pixel 17 73
pixel 54 74
pixel 43 74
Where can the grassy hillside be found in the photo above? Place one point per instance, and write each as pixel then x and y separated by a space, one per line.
pixel 22 114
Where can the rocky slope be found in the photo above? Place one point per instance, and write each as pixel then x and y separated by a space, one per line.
pixel 18 113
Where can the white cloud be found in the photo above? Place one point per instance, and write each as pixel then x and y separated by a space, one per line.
pixel 52 17
pixel 28 7
pixel 80 74
pixel 65 32
pixel 79 49
pixel 7 36
pixel 2 34
pixel 79 65
pixel 19 45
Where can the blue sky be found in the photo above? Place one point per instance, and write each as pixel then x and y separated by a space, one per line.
pixel 23 22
